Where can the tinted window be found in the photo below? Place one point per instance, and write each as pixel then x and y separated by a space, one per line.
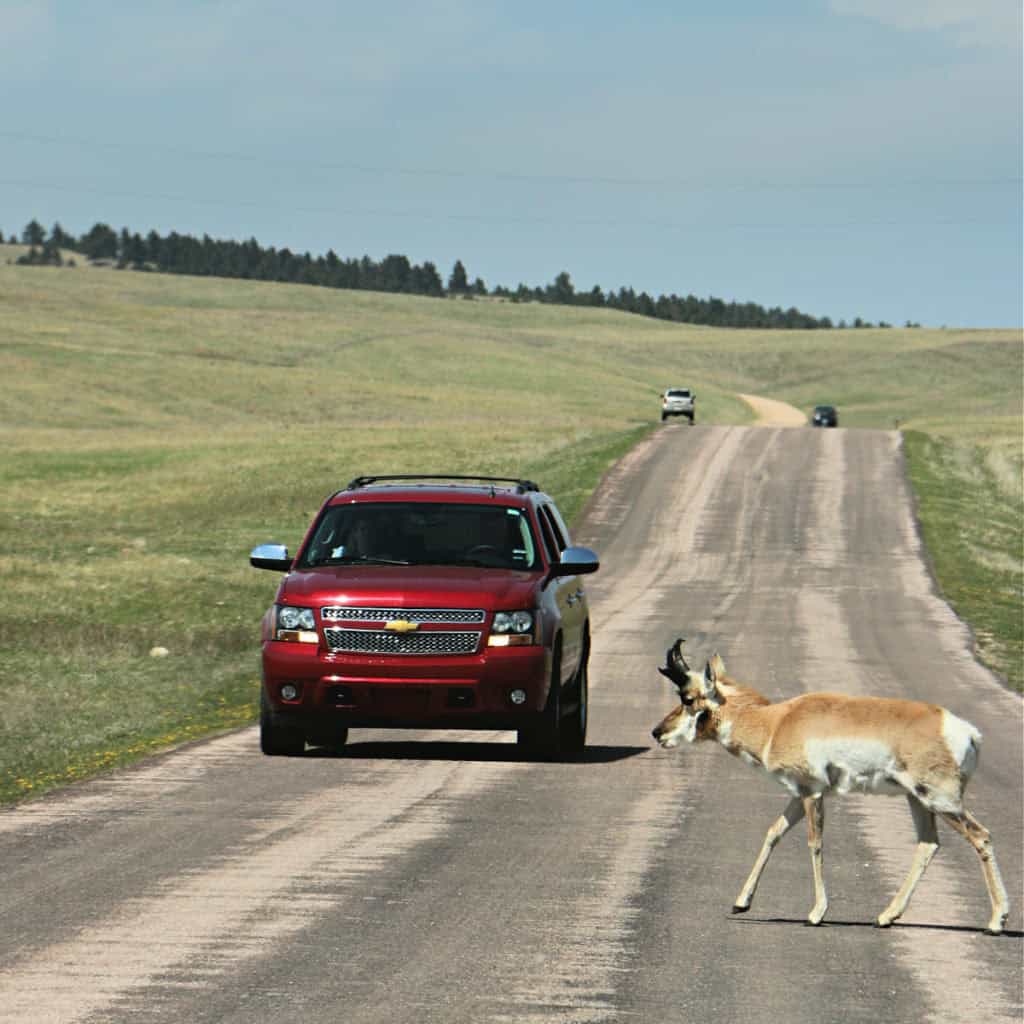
pixel 417 533
pixel 549 536
pixel 557 527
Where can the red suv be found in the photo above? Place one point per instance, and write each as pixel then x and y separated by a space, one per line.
pixel 428 602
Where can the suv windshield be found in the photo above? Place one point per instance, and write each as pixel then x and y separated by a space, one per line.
pixel 421 533
pixel 678 393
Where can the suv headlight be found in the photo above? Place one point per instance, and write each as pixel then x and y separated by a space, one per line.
pixel 297 625
pixel 512 629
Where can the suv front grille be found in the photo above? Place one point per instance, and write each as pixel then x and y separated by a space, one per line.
pixel 419 615
pixel 377 641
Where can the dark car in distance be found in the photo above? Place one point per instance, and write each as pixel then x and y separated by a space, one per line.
pixel 428 602
pixel 825 416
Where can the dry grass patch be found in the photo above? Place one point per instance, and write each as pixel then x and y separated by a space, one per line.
pixel 158 427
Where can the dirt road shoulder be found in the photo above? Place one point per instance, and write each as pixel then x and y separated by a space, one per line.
pixel 771 413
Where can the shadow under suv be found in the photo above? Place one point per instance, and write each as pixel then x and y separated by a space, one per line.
pixel 428 602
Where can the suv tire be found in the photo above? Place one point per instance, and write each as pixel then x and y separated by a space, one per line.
pixel 543 739
pixel 278 740
pixel 573 727
pixel 333 741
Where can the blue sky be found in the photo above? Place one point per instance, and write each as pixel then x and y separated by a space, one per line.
pixel 847 157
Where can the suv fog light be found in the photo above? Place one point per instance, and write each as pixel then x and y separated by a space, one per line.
pixel 517 696
pixel 289 692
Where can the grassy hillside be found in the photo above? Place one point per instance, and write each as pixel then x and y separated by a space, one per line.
pixel 158 427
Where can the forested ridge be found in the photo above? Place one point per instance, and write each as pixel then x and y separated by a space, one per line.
pixel 208 257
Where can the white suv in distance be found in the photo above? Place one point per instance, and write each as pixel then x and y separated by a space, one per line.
pixel 678 402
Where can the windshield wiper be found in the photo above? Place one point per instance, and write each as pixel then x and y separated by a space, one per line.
pixel 364 560
pixel 477 563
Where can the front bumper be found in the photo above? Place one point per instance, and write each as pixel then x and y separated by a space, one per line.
pixel 465 692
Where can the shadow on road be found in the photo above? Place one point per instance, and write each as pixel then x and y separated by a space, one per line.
pixel 413 750
pixel 901 926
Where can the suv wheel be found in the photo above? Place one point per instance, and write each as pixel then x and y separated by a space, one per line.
pixel 333 741
pixel 278 740
pixel 573 726
pixel 544 737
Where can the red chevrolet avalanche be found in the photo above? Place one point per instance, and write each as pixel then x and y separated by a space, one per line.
pixel 428 602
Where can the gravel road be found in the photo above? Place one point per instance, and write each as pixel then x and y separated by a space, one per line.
pixel 439 877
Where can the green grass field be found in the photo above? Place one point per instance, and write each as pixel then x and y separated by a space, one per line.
pixel 157 428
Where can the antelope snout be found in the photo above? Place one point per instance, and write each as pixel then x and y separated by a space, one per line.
pixel 663 741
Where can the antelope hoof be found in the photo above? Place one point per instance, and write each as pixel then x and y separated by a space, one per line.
pixel 817 915
pixel 738 909
pixel 884 922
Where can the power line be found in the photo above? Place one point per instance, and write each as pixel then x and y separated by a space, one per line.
pixel 508 176
pixel 711 224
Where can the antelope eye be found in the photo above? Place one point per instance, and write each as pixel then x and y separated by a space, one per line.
pixel 687 701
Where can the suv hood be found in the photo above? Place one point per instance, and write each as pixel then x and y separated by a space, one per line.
pixel 411 587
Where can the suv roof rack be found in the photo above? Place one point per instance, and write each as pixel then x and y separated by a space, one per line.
pixel 521 485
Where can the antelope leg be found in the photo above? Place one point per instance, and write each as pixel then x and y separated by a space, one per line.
pixel 814 807
pixel 927 845
pixel 978 836
pixel 790 816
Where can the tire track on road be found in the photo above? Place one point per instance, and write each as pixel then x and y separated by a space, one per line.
pixel 199 924
pixel 951 983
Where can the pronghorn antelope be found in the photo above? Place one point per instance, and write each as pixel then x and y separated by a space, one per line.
pixel 822 743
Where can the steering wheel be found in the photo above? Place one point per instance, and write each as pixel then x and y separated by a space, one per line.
pixel 483 549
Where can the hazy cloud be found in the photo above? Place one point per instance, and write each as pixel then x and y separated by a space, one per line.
pixel 972 22
pixel 21 18
pixel 25 28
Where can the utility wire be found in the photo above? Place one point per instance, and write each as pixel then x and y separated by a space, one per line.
pixel 484 174
pixel 709 224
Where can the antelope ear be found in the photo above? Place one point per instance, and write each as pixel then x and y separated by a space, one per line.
pixel 668 675
pixel 709 685
pixel 718 665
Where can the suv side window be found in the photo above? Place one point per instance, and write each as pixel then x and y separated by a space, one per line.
pixel 550 544
pixel 561 531
pixel 555 530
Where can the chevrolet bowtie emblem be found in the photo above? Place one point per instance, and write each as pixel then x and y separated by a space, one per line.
pixel 401 626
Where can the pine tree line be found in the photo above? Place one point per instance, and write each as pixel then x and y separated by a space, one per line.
pixel 185 254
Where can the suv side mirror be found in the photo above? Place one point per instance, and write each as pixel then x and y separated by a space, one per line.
pixel 271 556
pixel 576 562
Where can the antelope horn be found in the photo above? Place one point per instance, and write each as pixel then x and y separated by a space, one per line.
pixel 675 668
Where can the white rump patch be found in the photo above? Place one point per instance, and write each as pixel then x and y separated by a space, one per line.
pixel 963 741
